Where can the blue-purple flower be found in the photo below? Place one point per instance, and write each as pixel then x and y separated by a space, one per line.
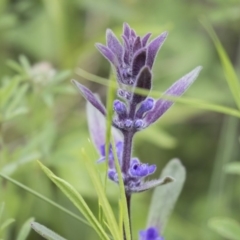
pixel 133 60
pixel 134 180
pixel 150 234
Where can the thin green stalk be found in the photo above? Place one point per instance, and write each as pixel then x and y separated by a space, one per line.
pixel 45 199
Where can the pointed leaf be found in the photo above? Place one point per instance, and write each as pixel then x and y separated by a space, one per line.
pixel 226 227
pixel 25 230
pixel 6 224
pixel 151 184
pixel 177 89
pixel 144 81
pixel 165 197
pixel 153 48
pixel 73 195
pixel 107 210
pixel 89 96
pixel 45 232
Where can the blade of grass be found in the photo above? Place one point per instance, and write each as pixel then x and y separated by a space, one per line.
pixel 110 99
pixel 73 195
pixel 230 74
pixel 123 200
pixel 25 230
pixel 197 103
pixel 107 210
pixel 45 199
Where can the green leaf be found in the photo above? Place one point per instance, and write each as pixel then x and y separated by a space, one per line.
pixel 25 230
pixel 6 224
pixel 232 168
pixel 230 74
pixel 8 90
pixel 45 199
pixel 45 232
pixel 226 227
pixel 107 210
pixel 164 197
pixel 73 195
pixel 123 200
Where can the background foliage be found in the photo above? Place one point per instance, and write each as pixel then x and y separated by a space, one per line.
pixel 42 45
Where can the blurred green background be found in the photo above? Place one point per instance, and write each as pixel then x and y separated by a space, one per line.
pixel 43 42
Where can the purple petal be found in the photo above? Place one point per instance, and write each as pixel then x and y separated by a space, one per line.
pixel 107 53
pixel 150 234
pixel 153 48
pixel 126 50
pixel 145 39
pixel 126 30
pixel 114 45
pixel 177 89
pixel 133 34
pixel 97 129
pixel 144 81
pixel 139 61
pixel 89 96
pixel 137 44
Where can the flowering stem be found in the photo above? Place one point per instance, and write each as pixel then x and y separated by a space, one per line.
pixel 127 151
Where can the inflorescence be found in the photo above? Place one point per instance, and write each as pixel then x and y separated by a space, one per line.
pixel 132 60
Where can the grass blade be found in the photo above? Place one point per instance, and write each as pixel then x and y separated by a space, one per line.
pixel 77 200
pixel 230 74
pixel 25 230
pixel 107 210
pixel 45 199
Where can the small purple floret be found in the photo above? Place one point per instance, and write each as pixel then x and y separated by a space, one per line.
pixel 140 170
pixel 145 106
pixel 150 234
pixel 119 149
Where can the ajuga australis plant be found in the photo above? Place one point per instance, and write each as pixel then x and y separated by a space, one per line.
pixel 132 61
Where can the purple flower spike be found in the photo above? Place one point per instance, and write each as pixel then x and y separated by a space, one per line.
pixel 89 96
pixel 177 89
pixel 150 234
pixel 133 55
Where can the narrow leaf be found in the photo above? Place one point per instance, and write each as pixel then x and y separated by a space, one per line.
pixel 25 230
pixel 230 73
pixel 45 232
pixel 226 227
pixel 164 197
pixel 6 224
pixel 107 210
pixel 73 195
